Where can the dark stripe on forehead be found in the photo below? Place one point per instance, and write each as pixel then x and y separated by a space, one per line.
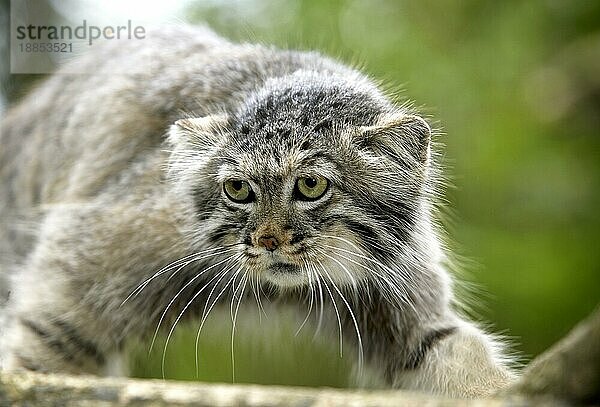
pixel 316 157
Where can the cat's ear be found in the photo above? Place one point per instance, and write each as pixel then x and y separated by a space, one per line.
pixel 405 137
pixel 200 133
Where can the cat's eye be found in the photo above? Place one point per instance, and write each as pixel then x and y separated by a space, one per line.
pixel 238 191
pixel 311 188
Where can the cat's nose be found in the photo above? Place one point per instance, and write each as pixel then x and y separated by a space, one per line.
pixel 268 242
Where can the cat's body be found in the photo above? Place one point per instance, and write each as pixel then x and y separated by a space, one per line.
pixel 287 170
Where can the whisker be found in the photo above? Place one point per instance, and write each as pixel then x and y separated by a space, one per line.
pixel 354 245
pixel 233 323
pixel 393 286
pixel 321 300
pixel 337 313
pixel 163 270
pixel 234 291
pixel 221 273
pixel 194 257
pixel 352 279
pixel 354 321
pixel 257 293
pixel 203 254
pixel 398 291
pixel 175 324
pixel 310 290
pixel 206 312
pixel 358 254
pixel 166 310
pixel 222 276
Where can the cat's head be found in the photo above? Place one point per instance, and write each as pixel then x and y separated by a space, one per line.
pixel 314 175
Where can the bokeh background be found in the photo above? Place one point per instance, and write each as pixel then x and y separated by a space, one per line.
pixel 514 89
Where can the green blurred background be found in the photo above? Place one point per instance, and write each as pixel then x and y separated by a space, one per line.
pixel 514 89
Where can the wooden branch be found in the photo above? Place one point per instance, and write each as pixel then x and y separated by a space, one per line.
pixel 570 370
pixel 38 389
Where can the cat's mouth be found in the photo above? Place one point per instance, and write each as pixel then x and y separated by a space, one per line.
pixel 284 268
pixel 285 275
pixel 279 269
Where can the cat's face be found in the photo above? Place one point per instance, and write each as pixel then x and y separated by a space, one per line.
pixel 297 196
pixel 287 198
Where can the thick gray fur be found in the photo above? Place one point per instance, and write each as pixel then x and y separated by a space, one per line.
pixel 109 178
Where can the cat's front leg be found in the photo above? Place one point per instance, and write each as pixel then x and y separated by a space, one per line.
pixel 46 342
pixel 428 349
pixel 47 328
pixel 69 309
pixel 459 361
